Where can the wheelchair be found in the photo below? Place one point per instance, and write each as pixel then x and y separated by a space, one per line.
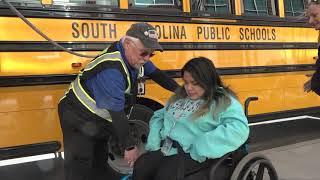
pixel 237 165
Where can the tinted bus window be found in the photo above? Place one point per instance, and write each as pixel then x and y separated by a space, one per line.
pixel 29 3
pixel 156 3
pixel 215 6
pixel 153 2
pixel 259 7
pixel 294 7
pixel 87 2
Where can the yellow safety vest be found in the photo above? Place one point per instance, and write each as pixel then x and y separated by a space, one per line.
pixel 101 61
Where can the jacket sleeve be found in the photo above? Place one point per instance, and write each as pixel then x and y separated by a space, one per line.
pixel 315 82
pixel 155 125
pixel 120 126
pixel 164 80
pixel 229 135
pixel 315 79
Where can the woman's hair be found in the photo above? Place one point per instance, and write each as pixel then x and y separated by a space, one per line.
pixel 205 74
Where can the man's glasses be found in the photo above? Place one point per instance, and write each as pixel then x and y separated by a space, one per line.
pixel 145 53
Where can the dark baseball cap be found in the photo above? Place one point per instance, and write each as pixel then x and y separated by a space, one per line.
pixel 146 33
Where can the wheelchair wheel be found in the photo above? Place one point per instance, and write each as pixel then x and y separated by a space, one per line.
pixel 254 166
pixel 139 130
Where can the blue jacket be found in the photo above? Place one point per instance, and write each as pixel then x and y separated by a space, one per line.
pixel 203 137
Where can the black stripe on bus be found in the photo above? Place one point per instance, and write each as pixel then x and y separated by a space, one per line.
pixel 9 81
pixel 16 46
pixel 29 150
pixel 312 111
pixel 150 15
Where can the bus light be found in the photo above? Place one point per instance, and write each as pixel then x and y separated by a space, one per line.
pixel 76 65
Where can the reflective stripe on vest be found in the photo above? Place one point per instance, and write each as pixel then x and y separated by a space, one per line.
pixel 82 95
pixel 114 56
pixel 88 102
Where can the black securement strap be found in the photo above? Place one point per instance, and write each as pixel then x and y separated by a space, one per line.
pixel 181 171
pixel 181 154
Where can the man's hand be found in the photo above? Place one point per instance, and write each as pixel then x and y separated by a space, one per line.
pixel 131 156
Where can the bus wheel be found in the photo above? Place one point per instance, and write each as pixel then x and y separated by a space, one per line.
pixel 139 129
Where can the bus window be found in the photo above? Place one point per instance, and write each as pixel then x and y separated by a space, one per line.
pixel 156 3
pixel 86 2
pixel 25 3
pixel 294 7
pixel 214 6
pixel 260 7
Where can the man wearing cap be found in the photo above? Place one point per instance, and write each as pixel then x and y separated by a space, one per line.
pixel 93 108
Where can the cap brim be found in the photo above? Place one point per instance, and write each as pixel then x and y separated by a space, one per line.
pixel 152 45
pixel 157 47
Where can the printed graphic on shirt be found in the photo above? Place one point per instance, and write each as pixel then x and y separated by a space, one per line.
pixel 184 108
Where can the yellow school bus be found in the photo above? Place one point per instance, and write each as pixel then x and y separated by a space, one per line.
pixel 262 48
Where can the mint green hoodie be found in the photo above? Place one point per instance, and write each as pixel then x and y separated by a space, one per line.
pixel 203 137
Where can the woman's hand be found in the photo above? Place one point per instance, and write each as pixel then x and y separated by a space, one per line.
pixel 131 156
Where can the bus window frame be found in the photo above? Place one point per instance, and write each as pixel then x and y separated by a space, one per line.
pixel 67 7
pixel 87 6
pixel 305 3
pixel 26 4
pixel 159 4
pixel 276 8
pixel 208 14
pixel 232 10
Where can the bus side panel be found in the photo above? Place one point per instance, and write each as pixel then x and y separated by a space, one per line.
pixel 29 114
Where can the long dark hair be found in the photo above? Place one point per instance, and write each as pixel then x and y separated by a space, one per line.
pixel 205 74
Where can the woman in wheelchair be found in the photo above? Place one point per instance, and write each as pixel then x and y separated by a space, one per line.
pixel 201 122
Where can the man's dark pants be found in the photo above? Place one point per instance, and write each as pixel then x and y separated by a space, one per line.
pixel 85 144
